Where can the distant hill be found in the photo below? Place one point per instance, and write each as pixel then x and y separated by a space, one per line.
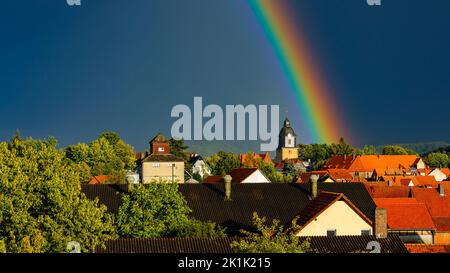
pixel 421 148
pixel 207 148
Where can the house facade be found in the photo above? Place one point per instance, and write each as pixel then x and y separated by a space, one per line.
pixel 199 165
pixel 332 214
pixel 159 165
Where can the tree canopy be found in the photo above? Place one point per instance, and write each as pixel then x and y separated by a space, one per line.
pixel 272 238
pixel 437 160
pixel 107 155
pixel 223 163
pixel 160 210
pixel 397 150
pixel 42 208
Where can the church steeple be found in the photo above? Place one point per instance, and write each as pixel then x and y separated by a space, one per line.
pixel 287 136
pixel 287 143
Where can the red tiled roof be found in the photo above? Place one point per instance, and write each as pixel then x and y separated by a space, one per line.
pixel 369 163
pixel 304 177
pixel 240 174
pixel 250 157
pixel 99 179
pixel 425 181
pixel 392 201
pixel 422 248
pixel 442 223
pixel 446 171
pixel 213 179
pixel 340 162
pixel 340 175
pixel 439 206
pixel 406 215
pixel 384 191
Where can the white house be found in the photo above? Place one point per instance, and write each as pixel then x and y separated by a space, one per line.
pixel 199 165
pixel 440 174
pixel 333 214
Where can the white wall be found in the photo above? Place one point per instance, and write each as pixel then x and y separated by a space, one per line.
pixel 256 177
pixel 339 216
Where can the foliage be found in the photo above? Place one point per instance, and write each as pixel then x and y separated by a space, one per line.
pixel 289 169
pixel 178 148
pixel 369 150
pixel 159 210
pixel 41 204
pixel 437 160
pixel 107 155
pixel 223 163
pixel 341 148
pixel 318 154
pixel 271 239
pixel 397 150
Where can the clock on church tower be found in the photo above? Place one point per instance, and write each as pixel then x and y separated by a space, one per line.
pixel 287 143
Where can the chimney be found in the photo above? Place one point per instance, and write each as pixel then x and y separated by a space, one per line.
pixel 314 179
pixel 380 223
pixel 227 179
pixel 441 190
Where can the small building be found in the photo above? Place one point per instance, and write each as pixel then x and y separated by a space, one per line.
pixel 159 165
pixel 333 214
pixel 440 174
pixel 199 165
pixel 241 175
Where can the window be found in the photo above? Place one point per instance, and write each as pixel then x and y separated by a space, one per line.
pixel 160 149
pixel 331 232
pixel 365 232
pixel 156 165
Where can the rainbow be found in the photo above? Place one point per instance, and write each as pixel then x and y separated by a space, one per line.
pixel 312 96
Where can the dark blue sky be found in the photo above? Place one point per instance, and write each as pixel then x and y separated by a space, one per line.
pixel 73 72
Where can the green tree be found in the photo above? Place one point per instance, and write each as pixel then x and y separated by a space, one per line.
pixel 318 154
pixel 107 155
pixel 437 160
pixel 369 150
pixel 341 148
pixel 397 150
pixel 223 163
pixel 159 210
pixel 271 239
pixel 178 148
pixel 42 208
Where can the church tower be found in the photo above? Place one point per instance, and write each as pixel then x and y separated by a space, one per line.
pixel 287 143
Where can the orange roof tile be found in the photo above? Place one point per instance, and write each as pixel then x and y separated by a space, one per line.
pixel 439 206
pixel 369 163
pixel 340 175
pixel 250 157
pixel 422 248
pixel 384 191
pixel 99 179
pixel 446 171
pixel 407 216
